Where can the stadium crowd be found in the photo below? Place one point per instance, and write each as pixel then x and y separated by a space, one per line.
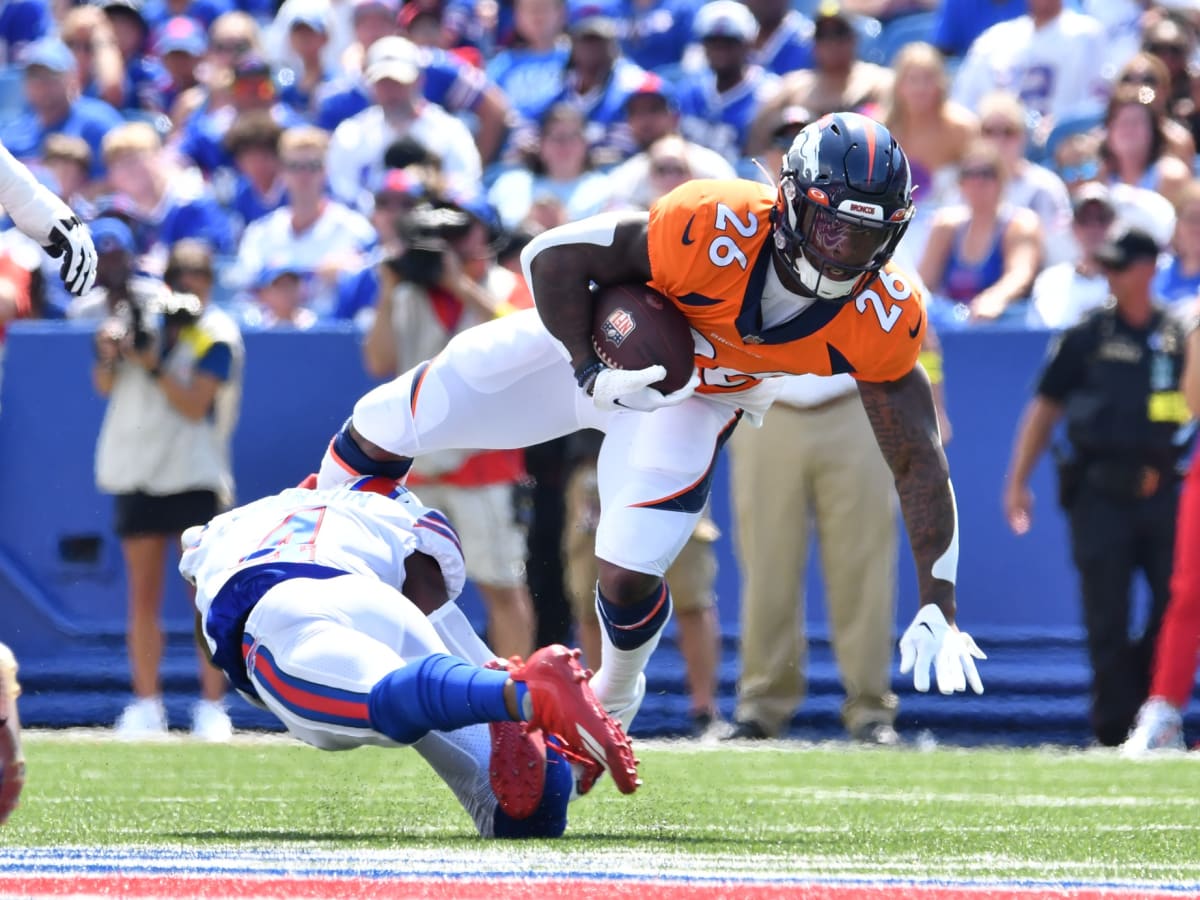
pixel 329 160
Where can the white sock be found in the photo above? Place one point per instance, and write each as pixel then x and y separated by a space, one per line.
pixel 455 630
pixel 616 681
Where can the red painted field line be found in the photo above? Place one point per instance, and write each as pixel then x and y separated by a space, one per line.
pixel 143 887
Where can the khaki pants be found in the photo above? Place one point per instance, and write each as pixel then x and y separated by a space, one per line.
pixel 822 469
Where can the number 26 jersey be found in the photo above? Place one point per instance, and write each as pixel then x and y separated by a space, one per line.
pixel 710 252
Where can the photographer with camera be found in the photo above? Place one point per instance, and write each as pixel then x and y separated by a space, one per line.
pixel 443 279
pixel 170 366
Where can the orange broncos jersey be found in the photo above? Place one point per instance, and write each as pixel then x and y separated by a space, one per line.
pixel 710 251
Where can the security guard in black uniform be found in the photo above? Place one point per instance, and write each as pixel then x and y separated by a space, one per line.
pixel 1115 379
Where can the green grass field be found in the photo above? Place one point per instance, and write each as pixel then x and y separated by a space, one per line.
pixel 827 810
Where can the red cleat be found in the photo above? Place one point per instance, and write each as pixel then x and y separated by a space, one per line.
pixel 12 763
pixel 517 768
pixel 564 706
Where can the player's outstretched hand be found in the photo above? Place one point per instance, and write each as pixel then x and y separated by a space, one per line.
pixel 930 640
pixel 71 240
pixel 630 389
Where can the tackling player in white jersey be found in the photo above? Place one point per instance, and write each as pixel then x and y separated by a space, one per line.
pixel 335 610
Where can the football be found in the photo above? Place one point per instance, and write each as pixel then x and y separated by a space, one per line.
pixel 635 326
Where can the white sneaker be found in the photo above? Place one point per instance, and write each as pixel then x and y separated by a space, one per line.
pixel 143 718
pixel 211 723
pixel 1159 726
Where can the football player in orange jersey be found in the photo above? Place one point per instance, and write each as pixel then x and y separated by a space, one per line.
pixel 788 281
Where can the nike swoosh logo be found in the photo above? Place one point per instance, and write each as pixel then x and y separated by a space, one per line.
pixel 912 332
pixel 687 232
pixel 927 628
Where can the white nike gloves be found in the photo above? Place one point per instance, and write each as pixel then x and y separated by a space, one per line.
pixel 71 240
pixel 45 218
pixel 930 640
pixel 630 388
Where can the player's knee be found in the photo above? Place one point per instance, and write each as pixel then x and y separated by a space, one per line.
pixel 624 587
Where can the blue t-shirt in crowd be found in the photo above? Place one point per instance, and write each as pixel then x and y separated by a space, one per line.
pixel 88 118
pixel 147 86
pixel 356 291
pixel 789 48
pixel 1173 286
pixel 204 134
pixel 959 22
pixel 655 36
pixel 721 122
pixel 530 78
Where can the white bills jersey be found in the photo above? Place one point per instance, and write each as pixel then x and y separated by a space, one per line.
pixel 350 529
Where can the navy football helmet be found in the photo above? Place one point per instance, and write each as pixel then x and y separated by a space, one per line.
pixel 845 200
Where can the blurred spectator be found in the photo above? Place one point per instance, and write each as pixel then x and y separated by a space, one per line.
pixel 1146 70
pixel 785 37
pixel 257 188
pixel 934 132
pixel 657 31
pixel 960 22
pixel 321 234
pixel 1178 280
pixel 251 89
pixel 373 20
pixel 652 115
pixel 1133 150
pixel 340 19
pixel 1002 121
pixel 181 45
pixel 1159 724
pixel 813 465
pixel 22 22
pixel 669 166
pixel 558 183
pixel 444 281
pixel 1115 380
pixel 145 80
pixel 170 203
pixel 718 102
pixel 173 398
pixel 1122 23
pixel 1064 292
pixel 69 159
pixel 1077 159
pixel 54 106
pixel 446 80
pixel 1172 39
pixel 231 38
pixel 1052 58
pixel 206 12
pixel 279 298
pixel 982 253
pixel 308 33
pixel 837 81
pixel 89 35
pixel 393 75
pixel 531 72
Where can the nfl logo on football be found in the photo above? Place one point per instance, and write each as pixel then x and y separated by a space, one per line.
pixel 618 326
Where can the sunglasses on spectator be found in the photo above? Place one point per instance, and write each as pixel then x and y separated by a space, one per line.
pixel 1084 171
pixel 979 172
pixel 303 165
pixel 1005 131
pixel 1146 78
pixel 1100 217
pixel 1165 49
pixel 234 48
pixel 79 45
pixel 668 168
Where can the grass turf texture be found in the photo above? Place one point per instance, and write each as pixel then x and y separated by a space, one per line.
pixel 826 810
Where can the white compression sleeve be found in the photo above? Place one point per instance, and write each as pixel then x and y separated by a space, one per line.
pixel 33 208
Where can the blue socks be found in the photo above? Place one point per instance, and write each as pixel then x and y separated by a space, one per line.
pixel 629 627
pixel 439 693
pixel 549 820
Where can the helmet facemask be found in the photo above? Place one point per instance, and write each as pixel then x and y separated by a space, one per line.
pixel 833 252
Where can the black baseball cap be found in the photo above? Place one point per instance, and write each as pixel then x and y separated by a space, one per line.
pixel 1125 247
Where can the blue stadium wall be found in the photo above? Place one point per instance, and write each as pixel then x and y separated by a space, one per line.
pixel 62 593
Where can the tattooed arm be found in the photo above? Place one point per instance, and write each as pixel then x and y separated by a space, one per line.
pixel 904 419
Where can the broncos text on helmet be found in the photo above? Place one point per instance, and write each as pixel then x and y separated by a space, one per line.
pixel 845 200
